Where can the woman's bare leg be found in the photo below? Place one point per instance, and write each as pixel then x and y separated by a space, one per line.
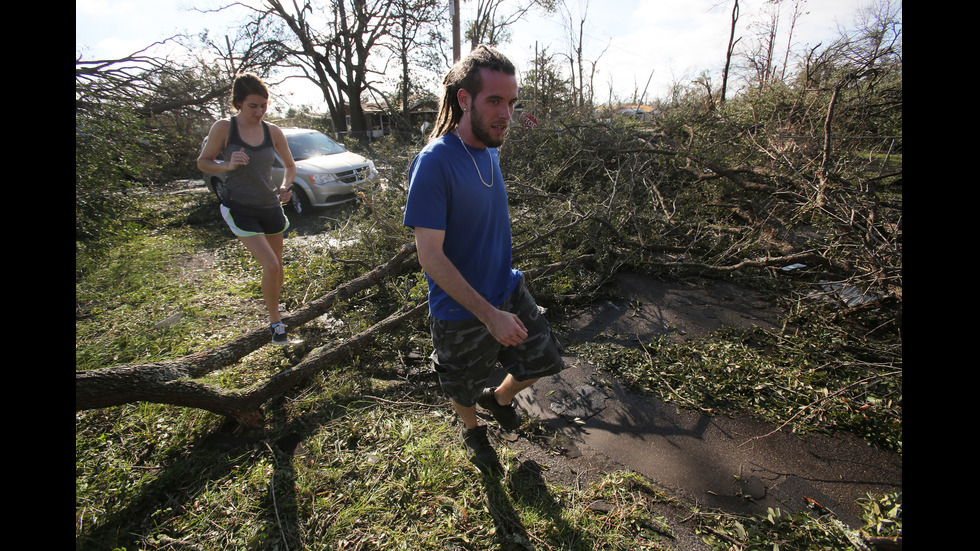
pixel 267 249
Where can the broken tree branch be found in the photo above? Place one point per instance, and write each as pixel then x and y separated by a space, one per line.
pixel 771 262
pixel 172 381
pixel 171 386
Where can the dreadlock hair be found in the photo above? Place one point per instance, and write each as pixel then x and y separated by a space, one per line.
pixel 465 75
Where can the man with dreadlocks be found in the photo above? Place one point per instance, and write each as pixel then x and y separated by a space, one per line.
pixel 480 311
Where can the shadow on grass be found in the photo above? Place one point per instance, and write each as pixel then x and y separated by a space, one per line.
pixel 214 456
pixel 528 489
pixel 166 511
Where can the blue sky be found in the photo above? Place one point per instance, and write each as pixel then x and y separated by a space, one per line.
pixel 676 40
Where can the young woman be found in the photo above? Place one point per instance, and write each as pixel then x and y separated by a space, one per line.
pixel 252 206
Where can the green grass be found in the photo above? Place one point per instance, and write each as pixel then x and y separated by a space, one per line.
pixel 366 456
pixel 370 472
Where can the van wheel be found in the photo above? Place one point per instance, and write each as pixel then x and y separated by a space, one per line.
pixel 300 202
pixel 219 189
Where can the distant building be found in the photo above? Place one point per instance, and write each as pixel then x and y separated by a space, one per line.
pixel 380 121
pixel 639 113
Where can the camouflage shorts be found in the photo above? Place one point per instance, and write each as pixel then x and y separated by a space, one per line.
pixel 466 354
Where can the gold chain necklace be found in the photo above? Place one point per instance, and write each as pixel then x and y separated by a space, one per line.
pixel 478 173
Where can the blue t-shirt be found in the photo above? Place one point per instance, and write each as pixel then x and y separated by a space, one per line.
pixel 445 193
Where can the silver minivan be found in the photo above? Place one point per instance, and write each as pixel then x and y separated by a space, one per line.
pixel 326 173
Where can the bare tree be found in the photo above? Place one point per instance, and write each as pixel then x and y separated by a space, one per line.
pixel 582 88
pixel 255 47
pixel 877 36
pixel 762 59
pixel 152 84
pixel 334 51
pixel 146 84
pixel 728 54
pixel 798 10
pixel 120 80
pixel 413 34
pixel 490 25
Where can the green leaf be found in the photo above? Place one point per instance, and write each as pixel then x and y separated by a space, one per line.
pixel 740 529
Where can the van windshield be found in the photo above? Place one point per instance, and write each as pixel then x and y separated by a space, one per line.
pixel 312 144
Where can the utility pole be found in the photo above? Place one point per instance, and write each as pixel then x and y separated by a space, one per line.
pixel 537 77
pixel 454 11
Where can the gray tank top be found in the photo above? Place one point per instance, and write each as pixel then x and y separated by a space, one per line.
pixel 251 185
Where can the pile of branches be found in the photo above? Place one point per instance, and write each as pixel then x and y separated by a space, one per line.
pixel 661 198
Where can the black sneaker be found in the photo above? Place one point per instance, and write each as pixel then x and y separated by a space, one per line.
pixel 279 334
pixel 480 452
pixel 507 415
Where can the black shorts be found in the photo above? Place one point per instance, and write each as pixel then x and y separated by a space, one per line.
pixel 248 221
pixel 466 354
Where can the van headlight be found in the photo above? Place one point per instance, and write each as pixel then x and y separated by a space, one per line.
pixel 323 178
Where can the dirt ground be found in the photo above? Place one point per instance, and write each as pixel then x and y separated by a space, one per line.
pixel 716 462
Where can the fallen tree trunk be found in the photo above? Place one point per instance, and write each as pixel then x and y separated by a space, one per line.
pixel 205 362
pixel 170 385
pixel 158 382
